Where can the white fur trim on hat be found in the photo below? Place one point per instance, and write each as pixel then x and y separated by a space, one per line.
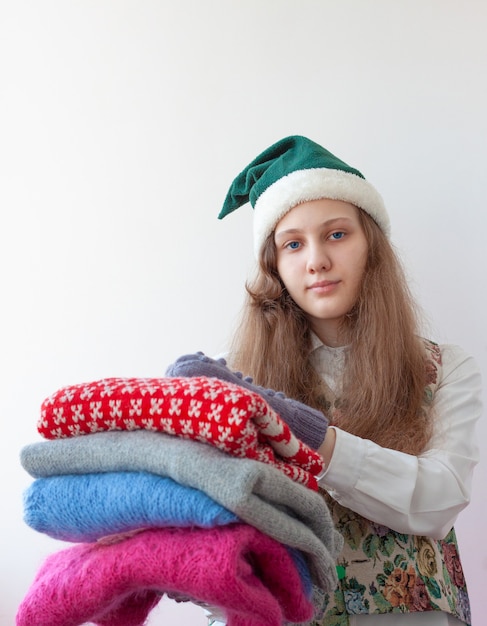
pixel 314 184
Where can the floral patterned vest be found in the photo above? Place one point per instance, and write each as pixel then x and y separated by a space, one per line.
pixel 383 571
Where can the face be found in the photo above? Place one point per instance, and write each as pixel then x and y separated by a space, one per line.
pixel 321 256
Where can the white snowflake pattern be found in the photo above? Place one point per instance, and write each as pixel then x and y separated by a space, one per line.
pixel 258 406
pixel 233 396
pixel 175 408
pixel 225 434
pixel 170 389
pixel 96 412
pixel 149 424
pixel 167 425
pixel 87 392
pixel 136 406
pixel 194 408
pixel 204 430
pixel 115 408
pixel 52 399
pixel 58 415
pixel 212 392
pixel 75 430
pixel 186 427
pixel 147 386
pixel 126 387
pixel 57 433
pixel 225 445
pixel 94 427
pixel 236 416
pixel 107 389
pixel 241 453
pixel 156 405
pixel 215 412
pixel 77 414
pixel 130 424
pixel 191 387
pixel 68 395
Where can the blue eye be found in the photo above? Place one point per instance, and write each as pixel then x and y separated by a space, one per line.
pixel 337 236
pixel 293 245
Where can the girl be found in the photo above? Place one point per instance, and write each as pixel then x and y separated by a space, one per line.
pixel 330 321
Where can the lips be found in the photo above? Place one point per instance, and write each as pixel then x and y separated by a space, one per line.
pixel 323 285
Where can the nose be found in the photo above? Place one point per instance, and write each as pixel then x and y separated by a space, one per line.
pixel 318 258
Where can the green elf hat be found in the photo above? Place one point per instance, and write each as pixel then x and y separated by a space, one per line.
pixel 296 170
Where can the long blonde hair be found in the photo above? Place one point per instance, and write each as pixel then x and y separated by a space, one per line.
pixel 384 378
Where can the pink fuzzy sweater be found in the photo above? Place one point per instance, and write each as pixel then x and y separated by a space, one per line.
pixel 248 574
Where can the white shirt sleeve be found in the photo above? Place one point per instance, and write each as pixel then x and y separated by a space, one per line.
pixel 420 495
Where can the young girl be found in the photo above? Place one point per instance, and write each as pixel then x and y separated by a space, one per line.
pixel 330 321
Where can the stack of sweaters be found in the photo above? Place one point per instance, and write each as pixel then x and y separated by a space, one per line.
pixel 191 485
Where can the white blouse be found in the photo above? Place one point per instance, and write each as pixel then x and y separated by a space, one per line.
pixel 419 495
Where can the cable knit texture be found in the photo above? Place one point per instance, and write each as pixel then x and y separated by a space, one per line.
pixel 87 507
pixel 257 493
pixel 308 424
pixel 236 567
pixel 225 415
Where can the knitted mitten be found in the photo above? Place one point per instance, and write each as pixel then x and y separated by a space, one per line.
pixel 233 419
pixel 250 576
pixel 308 424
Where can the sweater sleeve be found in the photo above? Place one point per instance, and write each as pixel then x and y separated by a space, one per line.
pixel 420 495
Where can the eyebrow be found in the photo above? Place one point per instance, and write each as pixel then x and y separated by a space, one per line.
pixel 325 224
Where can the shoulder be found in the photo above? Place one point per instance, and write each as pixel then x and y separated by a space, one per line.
pixel 459 389
pixel 449 357
pixel 455 361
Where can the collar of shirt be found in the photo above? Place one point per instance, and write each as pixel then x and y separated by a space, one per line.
pixel 328 362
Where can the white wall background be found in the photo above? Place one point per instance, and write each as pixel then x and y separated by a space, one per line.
pixel 122 123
